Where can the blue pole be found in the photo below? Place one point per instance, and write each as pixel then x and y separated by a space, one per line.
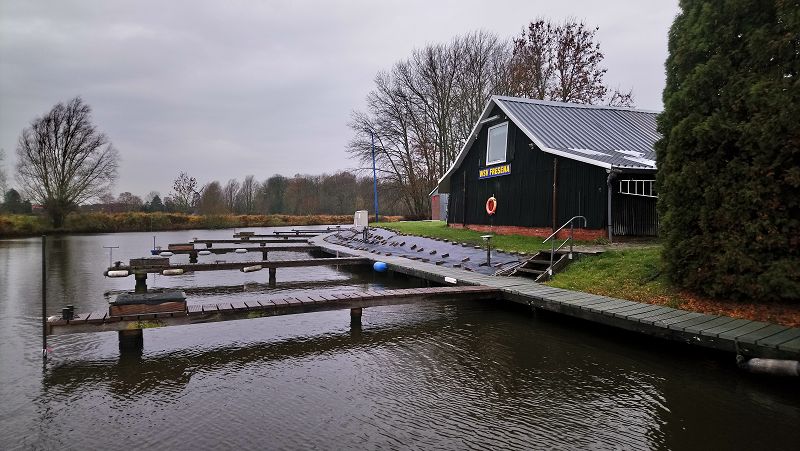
pixel 374 175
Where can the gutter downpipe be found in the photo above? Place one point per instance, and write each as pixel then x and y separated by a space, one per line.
pixel 609 189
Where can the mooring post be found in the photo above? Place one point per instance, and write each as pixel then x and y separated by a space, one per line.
pixel 141 282
pixel 131 340
pixel 272 278
pixel 487 239
pixel 193 257
pixel 265 255
pixel 355 316
pixel 44 296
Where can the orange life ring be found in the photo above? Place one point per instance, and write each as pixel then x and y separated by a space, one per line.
pixel 491 205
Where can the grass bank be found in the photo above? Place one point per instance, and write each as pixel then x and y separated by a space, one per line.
pixel 636 275
pixel 439 229
pixel 31 225
pixel 632 273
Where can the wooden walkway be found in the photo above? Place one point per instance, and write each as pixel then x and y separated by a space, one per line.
pixel 262 242
pixel 99 321
pixel 749 338
pixel 262 249
pixel 265 264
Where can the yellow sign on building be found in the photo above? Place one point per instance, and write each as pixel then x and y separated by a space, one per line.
pixel 494 171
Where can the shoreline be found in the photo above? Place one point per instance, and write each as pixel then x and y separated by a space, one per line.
pixel 27 226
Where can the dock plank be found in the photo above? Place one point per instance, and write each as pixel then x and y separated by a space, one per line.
pixel 678 319
pixel 664 316
pixel 698 328
pixel 715 331
pixel 608 305
pixel 781 337
pixel 651 313
pixel 791 345
pixel 642 308
pixel 239 305
pixel 751 333
pixel 693 322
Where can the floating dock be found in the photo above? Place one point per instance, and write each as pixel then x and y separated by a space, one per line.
pixel 740 336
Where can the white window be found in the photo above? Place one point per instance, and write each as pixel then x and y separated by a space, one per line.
pixel 496 147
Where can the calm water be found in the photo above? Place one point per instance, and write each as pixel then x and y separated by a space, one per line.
pixel 424 376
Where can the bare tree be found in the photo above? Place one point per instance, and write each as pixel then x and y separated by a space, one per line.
pixel 422 111
pixel 621 98
pixel 184 193
pixel 562 62
pixel 129 201
pixel 64 161
pixel 229 194
pixel 246 197
pixel 3 179
pixel 212 201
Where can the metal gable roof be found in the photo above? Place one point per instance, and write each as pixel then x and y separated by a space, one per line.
pixel 609 137
pixel 605 136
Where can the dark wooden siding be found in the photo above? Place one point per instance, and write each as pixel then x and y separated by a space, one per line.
pixel 525 196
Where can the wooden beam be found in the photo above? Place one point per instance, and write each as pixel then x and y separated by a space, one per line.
pixel 206 313
pixel 193 267
pixel 275 240
pixel 228 250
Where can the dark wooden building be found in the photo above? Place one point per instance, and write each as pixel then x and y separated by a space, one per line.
pixel 546 162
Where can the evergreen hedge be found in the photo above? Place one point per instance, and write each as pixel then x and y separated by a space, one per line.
pixel 729 160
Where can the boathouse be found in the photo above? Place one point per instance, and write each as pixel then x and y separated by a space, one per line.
pixel 545 162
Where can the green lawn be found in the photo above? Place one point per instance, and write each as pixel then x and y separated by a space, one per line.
pixel 439 229
pixel 633 274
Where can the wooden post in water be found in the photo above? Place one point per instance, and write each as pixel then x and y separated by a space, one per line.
pixel 131 340
pixel 355 316
pixel 141 282
pixel 265 255
pixel 193 257
pixel 44 296
pixel 272 278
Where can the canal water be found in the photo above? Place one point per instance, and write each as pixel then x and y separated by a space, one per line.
pixel 469 375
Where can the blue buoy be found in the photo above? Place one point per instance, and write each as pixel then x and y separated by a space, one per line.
pixel 379 266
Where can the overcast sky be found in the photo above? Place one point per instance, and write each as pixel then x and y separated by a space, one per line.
pixel 228 88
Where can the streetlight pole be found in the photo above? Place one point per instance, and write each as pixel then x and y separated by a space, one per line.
pixel 374 175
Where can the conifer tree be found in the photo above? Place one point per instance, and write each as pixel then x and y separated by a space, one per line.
pixel 729 160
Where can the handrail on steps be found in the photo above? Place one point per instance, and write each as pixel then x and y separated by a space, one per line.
pixel 568 240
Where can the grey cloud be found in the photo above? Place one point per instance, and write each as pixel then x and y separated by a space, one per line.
pixel 224 89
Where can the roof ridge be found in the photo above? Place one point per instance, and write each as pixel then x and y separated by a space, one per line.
pixel 571 105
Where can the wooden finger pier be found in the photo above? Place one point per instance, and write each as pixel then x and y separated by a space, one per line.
pixel 454 282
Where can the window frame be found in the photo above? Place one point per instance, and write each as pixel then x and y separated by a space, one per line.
pixel 488 144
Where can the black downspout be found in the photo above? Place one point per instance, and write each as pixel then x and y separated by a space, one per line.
pixel 555 193
pixel 609 189
pixel 464 199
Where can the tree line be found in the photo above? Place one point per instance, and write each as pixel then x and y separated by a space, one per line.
pixel 341 193
pixel 421 111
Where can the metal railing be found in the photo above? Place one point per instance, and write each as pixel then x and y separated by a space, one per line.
pixel 552 239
